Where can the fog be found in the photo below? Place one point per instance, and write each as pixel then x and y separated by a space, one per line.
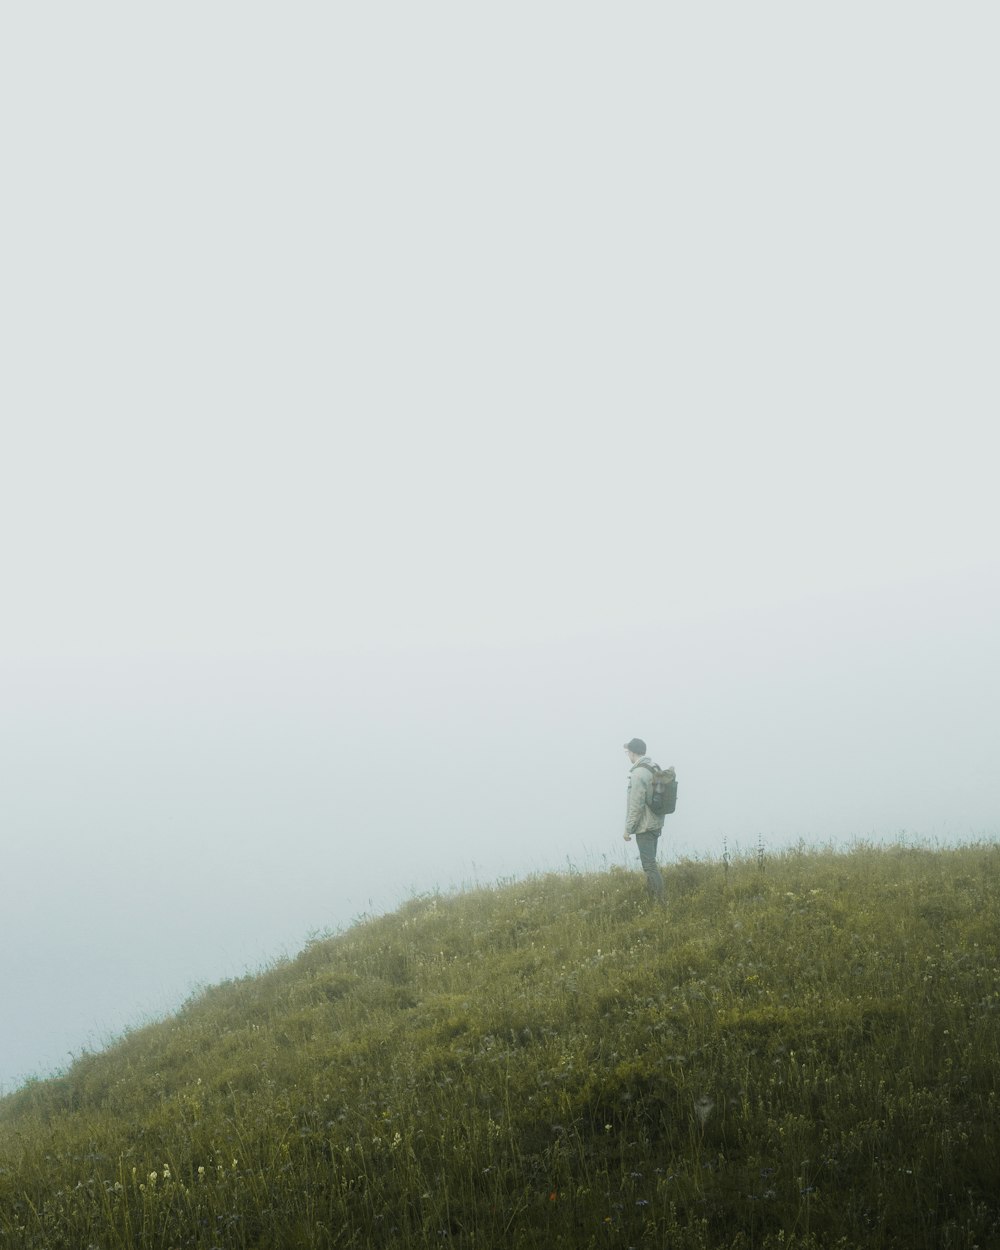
pixel 404 408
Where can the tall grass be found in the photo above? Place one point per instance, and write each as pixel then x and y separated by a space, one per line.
pixel 803 1051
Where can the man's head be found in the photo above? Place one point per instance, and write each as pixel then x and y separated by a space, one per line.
pixel 636 749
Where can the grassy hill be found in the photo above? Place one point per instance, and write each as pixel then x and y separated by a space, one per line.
pixel 803 1051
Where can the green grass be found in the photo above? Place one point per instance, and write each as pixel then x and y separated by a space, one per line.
pixel 802 1052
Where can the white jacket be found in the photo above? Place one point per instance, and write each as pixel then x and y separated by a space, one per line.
pixel 639 817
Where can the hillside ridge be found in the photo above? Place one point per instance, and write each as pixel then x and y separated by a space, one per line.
pixel 805 1045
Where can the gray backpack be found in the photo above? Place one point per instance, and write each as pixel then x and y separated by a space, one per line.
pixel 662 798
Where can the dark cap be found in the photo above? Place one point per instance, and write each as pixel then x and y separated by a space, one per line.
pixel 637 745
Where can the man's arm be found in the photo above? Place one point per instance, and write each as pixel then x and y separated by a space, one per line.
pixel 636 801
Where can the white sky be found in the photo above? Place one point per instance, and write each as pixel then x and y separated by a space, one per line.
pixel 404 405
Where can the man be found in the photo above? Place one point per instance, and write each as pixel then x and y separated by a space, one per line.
pixel 641 822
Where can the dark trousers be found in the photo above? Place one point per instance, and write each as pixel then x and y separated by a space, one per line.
pixel 647 843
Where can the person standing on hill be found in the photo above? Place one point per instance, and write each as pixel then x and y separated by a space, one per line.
pixel 641 822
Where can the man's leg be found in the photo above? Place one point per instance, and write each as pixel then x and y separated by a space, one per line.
pixel 647 843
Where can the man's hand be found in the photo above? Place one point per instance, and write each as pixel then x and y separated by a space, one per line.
pixel 628 837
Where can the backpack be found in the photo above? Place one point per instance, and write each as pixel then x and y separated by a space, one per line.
pixel 662 799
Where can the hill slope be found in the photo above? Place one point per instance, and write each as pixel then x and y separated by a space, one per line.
pixel 803 1051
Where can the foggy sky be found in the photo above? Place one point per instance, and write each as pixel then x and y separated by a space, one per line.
pixel 403 409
